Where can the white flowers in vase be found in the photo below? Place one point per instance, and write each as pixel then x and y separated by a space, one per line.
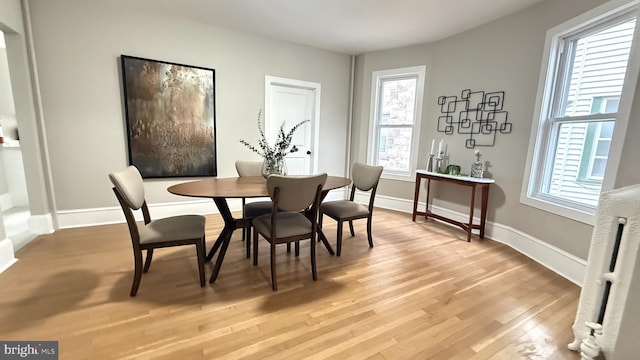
pixel 477 153
pixel 274 155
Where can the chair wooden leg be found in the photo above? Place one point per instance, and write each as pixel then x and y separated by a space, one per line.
pixel 255 248
pixel 147 261
pixel 297 248
pixel 314 272
pixel 319 224
pixel 248 240
pixel 288 247
pixel 245 236
pixel 137 273
pixel 274 284
pixel 351 228
pixel 200 253
pixel 339 239
pixel 369 232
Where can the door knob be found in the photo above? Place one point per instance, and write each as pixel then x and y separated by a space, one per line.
pixel 308 152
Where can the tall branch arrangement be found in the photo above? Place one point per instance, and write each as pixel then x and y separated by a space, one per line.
pixel 281 148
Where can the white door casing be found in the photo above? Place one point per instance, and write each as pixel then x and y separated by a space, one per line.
pixel 292 101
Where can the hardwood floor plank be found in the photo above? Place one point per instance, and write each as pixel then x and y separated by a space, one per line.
pixel 422 292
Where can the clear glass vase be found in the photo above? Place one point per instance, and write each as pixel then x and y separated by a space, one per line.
pixel 477 169
pixel 271 166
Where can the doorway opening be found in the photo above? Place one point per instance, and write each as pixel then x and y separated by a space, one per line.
pixel 14 203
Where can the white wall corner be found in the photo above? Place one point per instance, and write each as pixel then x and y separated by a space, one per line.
pixel 5 202
pixel 7 257
pixel 557 260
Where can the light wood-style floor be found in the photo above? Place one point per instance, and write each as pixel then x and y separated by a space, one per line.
pixel 422 292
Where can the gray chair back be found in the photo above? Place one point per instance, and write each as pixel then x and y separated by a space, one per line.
pixel 249 168
pixel 129 184
pixel 296 192
pixel 365 177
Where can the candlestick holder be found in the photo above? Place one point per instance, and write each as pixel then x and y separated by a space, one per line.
pixel 430 162
pixel 439 161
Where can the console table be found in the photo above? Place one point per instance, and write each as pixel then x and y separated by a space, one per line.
pixel 474 183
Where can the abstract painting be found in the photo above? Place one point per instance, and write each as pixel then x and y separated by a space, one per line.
pixel 171 118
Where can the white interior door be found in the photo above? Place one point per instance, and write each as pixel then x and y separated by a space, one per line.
pixel 290 102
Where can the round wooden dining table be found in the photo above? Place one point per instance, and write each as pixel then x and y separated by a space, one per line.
pixel 221 189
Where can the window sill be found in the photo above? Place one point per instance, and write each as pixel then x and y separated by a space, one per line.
pixel 408 178
pixel 560 210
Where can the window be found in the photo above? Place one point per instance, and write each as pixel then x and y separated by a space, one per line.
pixel 579 110
pixel 396 108
pixel 596 152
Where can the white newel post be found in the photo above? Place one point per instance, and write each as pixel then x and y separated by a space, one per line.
pixel 609 292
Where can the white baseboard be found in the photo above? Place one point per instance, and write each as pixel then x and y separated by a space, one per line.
pixel 6 254
pixel 337 194
pixel 40 224
pixel 43 224
pixel 114 215
pixel 557 260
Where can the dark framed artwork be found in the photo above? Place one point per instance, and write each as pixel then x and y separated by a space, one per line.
pixel 171 118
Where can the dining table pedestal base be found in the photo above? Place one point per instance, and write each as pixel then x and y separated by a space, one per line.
pixel 221 189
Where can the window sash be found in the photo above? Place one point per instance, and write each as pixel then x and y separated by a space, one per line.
pixel 546 100
pixel 566 50
pixel 558 106
pixel 380 124
pixel 412 123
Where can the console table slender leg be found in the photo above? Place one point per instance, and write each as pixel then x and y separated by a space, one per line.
pixel 473 200
pixel 415 197
pixel 483 209
pixel 426 202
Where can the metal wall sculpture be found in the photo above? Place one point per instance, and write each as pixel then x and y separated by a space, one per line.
pixel 478 114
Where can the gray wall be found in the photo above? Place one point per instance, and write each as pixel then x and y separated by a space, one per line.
pixel 77 47
pixel 502 55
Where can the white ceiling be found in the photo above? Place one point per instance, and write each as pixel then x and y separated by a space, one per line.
pixel 346 26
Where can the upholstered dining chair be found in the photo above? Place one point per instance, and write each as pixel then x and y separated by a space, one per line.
pixel 364 178
pixel 255 208
pixel 293 217
pixel 171 231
